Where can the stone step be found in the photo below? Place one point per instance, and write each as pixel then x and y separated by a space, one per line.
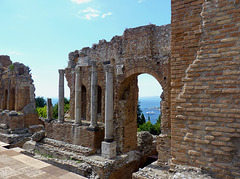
pixel 66 147
pixel 12 138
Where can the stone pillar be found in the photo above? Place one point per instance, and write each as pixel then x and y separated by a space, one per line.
pixel 94 95
pixel 78 91
pixel 61 96
pixel 49 109
pixel 109 104
pixel 108 145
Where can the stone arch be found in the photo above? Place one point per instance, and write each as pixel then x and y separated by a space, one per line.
pixel 128 99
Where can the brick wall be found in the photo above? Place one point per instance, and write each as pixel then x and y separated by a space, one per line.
pixel 205 100
pixel 78 135
pixel 144 49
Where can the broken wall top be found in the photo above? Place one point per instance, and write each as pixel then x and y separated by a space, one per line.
pixel 149 41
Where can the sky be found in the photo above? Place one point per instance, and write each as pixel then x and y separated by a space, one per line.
pixel 41 33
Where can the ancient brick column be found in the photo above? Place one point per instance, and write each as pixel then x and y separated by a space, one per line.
pixel 108 145
pixel 94 93
pixel 61 96
pixel 78 91
pixel 49 109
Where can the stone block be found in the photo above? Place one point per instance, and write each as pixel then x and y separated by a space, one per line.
pixel 109 149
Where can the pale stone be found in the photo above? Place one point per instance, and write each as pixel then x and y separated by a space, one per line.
pixel 78 90
pixel 109 149
pixel 61 96
pixel 109 104
pixel 94 95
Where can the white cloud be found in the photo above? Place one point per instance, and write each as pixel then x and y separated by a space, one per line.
pixel 15 53
pixel 106 14
pixel 80 1
pixel 89 13
pixel 140 1
pixel 91 10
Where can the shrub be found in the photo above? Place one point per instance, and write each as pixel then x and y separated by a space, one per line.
pixel 42 111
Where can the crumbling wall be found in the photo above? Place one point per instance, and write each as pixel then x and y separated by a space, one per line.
pixel 16 86
pixel 140 50
pixel 77 135
pixel 205 101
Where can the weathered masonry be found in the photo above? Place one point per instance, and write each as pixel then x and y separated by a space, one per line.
pixel 198 69
pixel 18 119
pixel 104 91
pixel 16 86
pixel 205 82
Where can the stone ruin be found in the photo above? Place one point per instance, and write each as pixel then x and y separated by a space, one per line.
pixel 102 129
pixel 17 103
pixel 196 61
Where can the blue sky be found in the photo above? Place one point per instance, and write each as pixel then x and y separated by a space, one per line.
pixel 41 33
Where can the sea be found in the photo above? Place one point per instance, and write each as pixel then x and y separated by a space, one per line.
pixel 150 107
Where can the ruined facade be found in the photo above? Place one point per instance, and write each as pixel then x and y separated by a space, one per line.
pixel 195 59
pixel 16 86
pixel 17 103
pixel 140 50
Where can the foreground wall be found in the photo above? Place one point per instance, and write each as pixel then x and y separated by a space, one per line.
pixel 205 75
pixel 78 135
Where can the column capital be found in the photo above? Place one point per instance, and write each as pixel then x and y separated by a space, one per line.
pixel 78 69
pixel 61 71
pixel 108 68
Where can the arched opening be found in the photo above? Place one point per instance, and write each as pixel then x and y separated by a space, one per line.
pixel 84 102
pixel 99 106
pixel 5 99
pixel 12 99
pixel 149 98
pixel 148 115
pixel 147 86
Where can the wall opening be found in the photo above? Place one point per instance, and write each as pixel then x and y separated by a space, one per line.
pixel 149 112
pixel 149 98
pixel 99 106
pixel 12 99
pixel 5 99
pixel 84 102
pixel 146 89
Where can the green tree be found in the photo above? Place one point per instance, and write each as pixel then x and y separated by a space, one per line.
pixel 157 126
pixel 40 101
pixel 42 111
pixel 154 129
pixel 66 108
pixel 140 116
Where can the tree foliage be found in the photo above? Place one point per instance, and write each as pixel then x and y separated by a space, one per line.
pixel 42 111
pixel 40 101
pixel 140 116
pixel 66 108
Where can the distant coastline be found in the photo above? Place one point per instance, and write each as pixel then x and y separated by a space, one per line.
pixel 150 106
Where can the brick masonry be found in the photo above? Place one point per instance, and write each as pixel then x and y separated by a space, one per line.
pixel 139 50
pixel 205 100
